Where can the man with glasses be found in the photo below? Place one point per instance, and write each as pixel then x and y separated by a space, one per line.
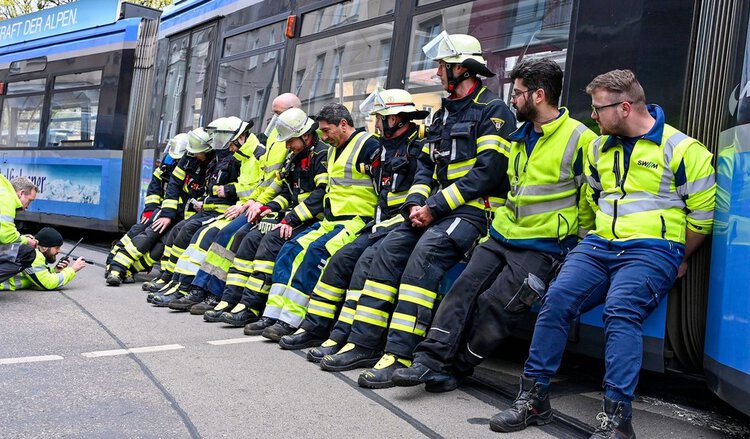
pixel 652 190
pixel 467 157
pixel 529 236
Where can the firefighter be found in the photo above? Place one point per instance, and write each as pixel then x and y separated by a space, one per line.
pixel 303 180
pixel 469 161
pixel 210 281
pixel 529 236
pixel 16 250
pixel 652 190
pixel 349 204
pixel 185 183
pixel 155 193
pixel 344 276
pixel 224 169
pixel 42 274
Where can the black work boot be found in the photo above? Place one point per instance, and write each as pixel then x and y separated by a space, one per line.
pixel 615 421
pixel 114 279
pixel 257 328
pixel 418 373
pixel 239 316
pixel 278 330
pixel 300 340
pixel 530 407
pixel 214 315
pixel 163 300
pixel 381 376
pixel 195 296
pixel 329 347
pixel 350 357
pixel 208 303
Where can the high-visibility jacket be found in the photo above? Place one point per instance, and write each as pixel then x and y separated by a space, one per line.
pixel 663 184
pixel 270 165
pixel 40 275
pixel 350 190
pixel 222 170
pixel 249 156
pixel 541 212
pixel 186 182
pixel 9 203
pixel 158 185
pixel 466 157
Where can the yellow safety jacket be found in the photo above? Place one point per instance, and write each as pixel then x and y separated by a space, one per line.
pixel 350 191
pixel 541 211
pixel 270 165
pixel 666 184
pixel 39 275
pixel 250 174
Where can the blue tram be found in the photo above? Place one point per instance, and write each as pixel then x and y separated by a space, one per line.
pixel 75 79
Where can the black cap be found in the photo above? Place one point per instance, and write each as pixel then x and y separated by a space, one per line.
pixel 49 237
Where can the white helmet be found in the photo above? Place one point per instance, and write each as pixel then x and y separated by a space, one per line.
pixel 390 102
pixel 177 145
pixel 198 141
pixel 244 127
pixel 458 49
pixel 224 130
pixel 292 123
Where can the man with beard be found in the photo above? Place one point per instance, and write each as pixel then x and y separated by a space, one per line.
pixel 529 236
pixel 42 274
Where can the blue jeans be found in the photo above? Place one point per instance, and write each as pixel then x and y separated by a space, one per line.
pixel 629 278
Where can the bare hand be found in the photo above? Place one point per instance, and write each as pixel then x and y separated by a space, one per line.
pixel 682 269
pixel 252 211
pixel 421 216
pixel 285 230
pixel 30 240
pixel 60 265
pixel 145 218
pixel 234 211
pixel 161 225
pixel 78 264
pixel 220 191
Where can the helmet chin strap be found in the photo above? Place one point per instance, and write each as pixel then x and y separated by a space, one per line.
pixel 389 131
pixel 452 80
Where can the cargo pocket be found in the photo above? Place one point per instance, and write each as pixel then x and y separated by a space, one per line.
pixel 531 291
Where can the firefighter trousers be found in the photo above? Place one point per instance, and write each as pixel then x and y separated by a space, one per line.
pixel 397 299
pixel 485 303
pixel 244 249
pixel 299 265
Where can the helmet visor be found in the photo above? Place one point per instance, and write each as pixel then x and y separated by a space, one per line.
pixel 287 131
pixel 271 125
pixel 176 147
pixel 440 47
pixel 221 139
pixel 373 103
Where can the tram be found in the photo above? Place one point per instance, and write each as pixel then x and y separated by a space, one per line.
pixel 74 84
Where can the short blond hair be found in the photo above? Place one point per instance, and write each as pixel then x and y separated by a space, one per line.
pixel 620 82
pixel 23 184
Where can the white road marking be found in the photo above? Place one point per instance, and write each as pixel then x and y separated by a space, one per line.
pixel 30 359
pixel 235 340
pixel 113 352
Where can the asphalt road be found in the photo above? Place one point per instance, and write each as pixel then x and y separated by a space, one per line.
pixel 98 361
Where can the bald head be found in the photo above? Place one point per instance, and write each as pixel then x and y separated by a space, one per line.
pixel 284 102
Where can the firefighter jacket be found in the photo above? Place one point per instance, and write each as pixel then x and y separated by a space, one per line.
pixel 270 165
pixel 157 188
pixel 39 275
pixel 541 212
pixel 303 180
pixel 652 187
pixel 395 174
pixel 466 158
pixel 222 170
pixel 249 156
pixel 350 192
pixel 186 183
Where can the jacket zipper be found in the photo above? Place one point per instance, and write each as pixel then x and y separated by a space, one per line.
pixel 619 183
pixel 663 227
pixel 516 179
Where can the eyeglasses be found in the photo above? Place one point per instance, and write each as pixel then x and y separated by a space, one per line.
pixel 517 93
pixel 595 108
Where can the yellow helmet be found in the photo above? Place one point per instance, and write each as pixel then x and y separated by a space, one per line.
pixel 198 141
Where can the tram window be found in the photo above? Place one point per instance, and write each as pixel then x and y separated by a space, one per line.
pixel 83 79
pixel 340 14
pixel 345 67
pixel 73 116
pixel 507 31
pixel 246 89
pixel 198 63
pixel 173 88
pixel 30 86
pixel 255 39
pixel 28 65
pixel 20 121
